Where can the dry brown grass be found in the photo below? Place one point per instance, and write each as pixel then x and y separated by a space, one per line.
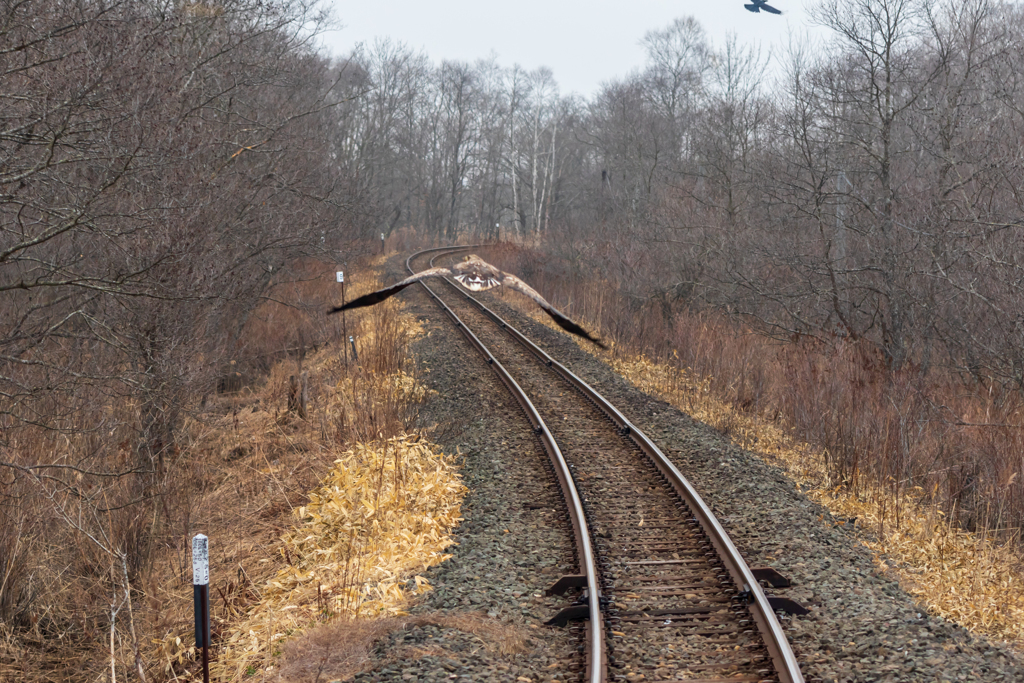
pixel 340 650
pixel 967 577
pixel 956 438
pixel 61 553
pixel 310 520
pixel 335 651
pixel 382 514
pixel 255 466
pixel 241 465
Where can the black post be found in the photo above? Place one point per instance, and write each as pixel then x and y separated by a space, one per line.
pixel 352 341
pixel 201 598
pixel 344 327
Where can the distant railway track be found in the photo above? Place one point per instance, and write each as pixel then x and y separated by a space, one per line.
pixel 666 593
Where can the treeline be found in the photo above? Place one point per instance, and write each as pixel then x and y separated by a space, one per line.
pixel 857 204
pixel 162 166
pixel 869 190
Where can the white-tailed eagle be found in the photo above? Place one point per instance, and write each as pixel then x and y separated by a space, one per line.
pixel 476 275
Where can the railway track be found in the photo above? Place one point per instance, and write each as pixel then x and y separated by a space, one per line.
pixel 666 595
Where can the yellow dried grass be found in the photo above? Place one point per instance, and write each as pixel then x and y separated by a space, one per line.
pixel 377 517
pixel 383 514
pixel 343 648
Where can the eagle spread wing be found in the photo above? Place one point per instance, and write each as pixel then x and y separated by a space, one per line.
pixel 381 294
pixel 758 6
pixel 476 275
pixel 512 282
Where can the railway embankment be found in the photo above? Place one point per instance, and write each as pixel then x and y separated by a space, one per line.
pixel 862 624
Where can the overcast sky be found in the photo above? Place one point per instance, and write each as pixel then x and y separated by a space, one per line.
pixel 583 43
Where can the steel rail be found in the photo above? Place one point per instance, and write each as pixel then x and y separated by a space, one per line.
pixel 597 669
pixel 783 657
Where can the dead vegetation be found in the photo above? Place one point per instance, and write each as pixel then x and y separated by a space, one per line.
pixel 315 519
pixel 892 455
pixel 340 650
pixel 970 578
pixel 381 516
pixel 244 462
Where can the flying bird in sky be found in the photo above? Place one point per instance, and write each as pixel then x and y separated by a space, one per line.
pixel 758 5
pixel 476 275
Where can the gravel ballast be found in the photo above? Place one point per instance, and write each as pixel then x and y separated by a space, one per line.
pixel 515 541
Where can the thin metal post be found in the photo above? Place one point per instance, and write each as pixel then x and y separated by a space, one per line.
pixel 206 633
pixel 344 327
pixel 201 597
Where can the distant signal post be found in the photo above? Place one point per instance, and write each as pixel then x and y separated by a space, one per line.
pixel 344 329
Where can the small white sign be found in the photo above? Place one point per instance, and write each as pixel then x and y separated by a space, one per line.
pixel 200 560
pixel 341 276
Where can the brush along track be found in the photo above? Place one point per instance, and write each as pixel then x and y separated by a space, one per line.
pixel 673 610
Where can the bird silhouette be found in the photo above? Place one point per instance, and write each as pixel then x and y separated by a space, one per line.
pixel 476 275
pixel 758 5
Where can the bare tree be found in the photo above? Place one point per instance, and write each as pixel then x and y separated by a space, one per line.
pixel 159 167
pixel 679 60
pixel 882 81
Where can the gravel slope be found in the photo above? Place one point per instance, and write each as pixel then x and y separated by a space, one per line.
pixel 515 540
pixel 862 625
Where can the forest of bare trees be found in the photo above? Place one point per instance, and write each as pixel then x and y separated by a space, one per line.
pixel 862 194
pixel 163 165
pixel 868 189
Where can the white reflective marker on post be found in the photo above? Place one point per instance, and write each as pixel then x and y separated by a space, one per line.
pixel 341 276
pixel 200 560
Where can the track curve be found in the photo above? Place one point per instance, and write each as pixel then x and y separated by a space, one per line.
pixel 669 596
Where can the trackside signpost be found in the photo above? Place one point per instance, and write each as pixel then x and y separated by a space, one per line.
pixel 201 596
pixel 344 329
